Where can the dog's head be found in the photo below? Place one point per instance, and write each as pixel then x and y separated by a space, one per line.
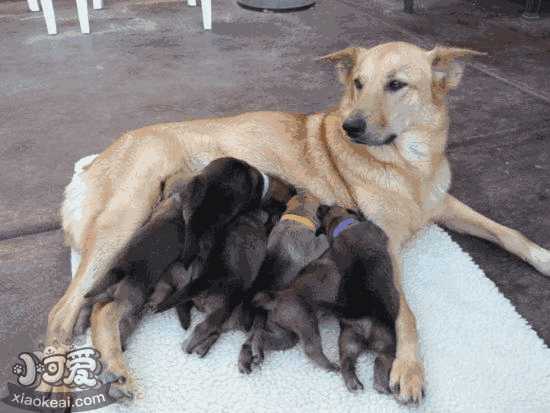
pixel 275 193
pixel 305 204
pixel 395 88
pixel 331 216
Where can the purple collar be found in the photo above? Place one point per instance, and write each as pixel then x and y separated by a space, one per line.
pixel 343 225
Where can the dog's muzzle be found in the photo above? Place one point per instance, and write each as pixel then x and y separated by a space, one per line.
pixel 356 129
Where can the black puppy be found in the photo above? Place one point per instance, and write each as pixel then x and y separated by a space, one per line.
pixel 229 271
pixel 193 208
pixel 151 250
pixel 352 280
pixel 226 188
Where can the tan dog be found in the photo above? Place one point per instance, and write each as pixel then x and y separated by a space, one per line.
pixel 382 150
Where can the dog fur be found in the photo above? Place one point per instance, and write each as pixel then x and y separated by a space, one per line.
pixel 352 280
pixel 401 186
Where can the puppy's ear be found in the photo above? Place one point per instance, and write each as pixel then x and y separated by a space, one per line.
pixel 345 60
pixel 193 197
pixel 322 211
pixel 447 67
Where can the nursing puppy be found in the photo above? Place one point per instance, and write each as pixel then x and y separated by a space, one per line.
pixel 352 280
pixel 292 244
pixel 226 188
pixel 150 252
pixel 367 301
pixel 194 208
pixel 229 271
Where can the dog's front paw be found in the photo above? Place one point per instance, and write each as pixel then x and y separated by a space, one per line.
pixel 407 381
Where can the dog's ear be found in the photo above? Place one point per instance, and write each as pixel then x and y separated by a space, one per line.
pixel 345 60
pixel 447 67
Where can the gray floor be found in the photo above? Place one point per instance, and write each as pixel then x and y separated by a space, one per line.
pixel 149 61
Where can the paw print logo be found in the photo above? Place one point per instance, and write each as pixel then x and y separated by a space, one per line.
pixel 18 369
pixel 40 368
pixel 26 371
pixel 49 351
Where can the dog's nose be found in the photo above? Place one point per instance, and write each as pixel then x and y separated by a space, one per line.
pixel 355 125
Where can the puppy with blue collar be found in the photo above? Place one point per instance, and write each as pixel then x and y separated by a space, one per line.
pixel 353 281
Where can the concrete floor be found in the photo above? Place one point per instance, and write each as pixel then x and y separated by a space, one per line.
pixel 148 61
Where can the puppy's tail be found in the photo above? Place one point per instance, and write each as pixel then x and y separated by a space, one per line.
pixel 179 297
pixel 101 287
pixel 265 300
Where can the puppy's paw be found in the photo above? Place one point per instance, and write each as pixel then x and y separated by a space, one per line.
pixel 407 381
pixel 245 359
pixel 120 387
pixel 333 367
pixel 353 383
pixel 149 308
pixel 203 348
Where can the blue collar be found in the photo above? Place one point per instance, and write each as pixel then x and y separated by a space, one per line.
pixel 343 225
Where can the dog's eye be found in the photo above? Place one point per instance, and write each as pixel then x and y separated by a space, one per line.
pixel 395 85
pixel 358 84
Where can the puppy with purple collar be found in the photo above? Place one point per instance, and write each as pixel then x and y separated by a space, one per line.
pixel 353 281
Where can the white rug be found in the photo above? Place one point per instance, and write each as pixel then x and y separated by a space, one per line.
pixel 480 355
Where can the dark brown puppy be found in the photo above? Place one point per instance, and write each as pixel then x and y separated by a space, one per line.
pixel 229 271
pixel 352 280
pixel 195 209
pixel 154 247
pixel 226 188
pixel 293 243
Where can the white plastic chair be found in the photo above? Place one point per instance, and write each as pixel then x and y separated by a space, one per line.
pixel 83 18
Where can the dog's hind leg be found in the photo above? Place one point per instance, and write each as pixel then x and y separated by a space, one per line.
pixel 459 217
pixel 106 338
pixel 106 237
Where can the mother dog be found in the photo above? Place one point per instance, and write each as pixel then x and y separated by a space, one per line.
pixel 381 150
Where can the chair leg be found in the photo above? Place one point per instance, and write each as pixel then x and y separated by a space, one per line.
pixel 49 16
pixel 532 9
pixel 97 4
pixel 33 5
pixel 83 19
pixel 206 7
pixel 408 6
pixel 192 3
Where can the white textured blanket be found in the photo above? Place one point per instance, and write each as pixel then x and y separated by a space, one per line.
pixel 480 355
